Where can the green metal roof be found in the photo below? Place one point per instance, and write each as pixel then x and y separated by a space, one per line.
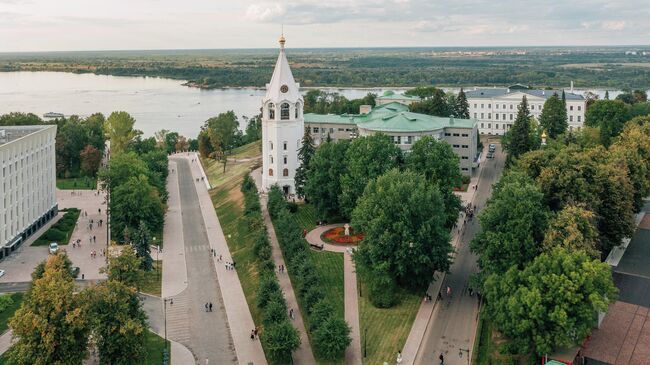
pixel 392 117
pixel 392 95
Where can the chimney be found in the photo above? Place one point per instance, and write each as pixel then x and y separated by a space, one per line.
pixel 365 109
pixel 571 86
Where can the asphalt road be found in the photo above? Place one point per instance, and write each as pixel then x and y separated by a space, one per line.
pixel 452 326
pixel 209 331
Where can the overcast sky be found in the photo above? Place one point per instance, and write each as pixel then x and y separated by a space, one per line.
pixel 58 25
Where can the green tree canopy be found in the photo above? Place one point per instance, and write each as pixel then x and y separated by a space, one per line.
pixel 125 268
pixel 437 161
pixel 402 217
pixel 609 116
pixel 281 340
pixel 323 185
pixel 134 201
pixel 513 224
pixel 119 129
pixel 436 104
pixel 554 116
pixel 517 140
pixel 551 303
pixel 461 108
pixel 17 118
pixel 573 228
pixel 305 153
pixel 141 240
pixel 365 159
pixel 50 327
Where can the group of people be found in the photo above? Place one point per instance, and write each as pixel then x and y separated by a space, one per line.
pixel 254 332
pixel 281 268
pixel 208 306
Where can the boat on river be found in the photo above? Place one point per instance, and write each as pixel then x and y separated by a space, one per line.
pixel 53 115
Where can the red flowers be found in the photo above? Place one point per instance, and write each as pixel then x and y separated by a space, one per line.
pixel 337 235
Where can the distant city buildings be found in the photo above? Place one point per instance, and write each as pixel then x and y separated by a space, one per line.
pixel 27 183
pixel 496 108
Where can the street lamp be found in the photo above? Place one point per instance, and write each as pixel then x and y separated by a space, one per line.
pixel 165 316
pixel 460 354
pixel 365 342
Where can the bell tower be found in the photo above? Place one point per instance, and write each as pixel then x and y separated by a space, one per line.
pixel 283 126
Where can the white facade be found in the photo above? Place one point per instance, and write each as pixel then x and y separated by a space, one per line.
pixel 27 182
pixel 282 127
pixel 496 109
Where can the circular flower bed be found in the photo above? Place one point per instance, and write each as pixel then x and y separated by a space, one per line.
pixel 337 235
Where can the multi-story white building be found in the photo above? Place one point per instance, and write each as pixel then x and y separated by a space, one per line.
pixel 27 183
pixel 496 108
pixel 282 127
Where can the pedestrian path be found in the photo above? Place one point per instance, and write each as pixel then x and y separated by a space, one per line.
pixel 174 274
pixel 234 302
pixel 350 297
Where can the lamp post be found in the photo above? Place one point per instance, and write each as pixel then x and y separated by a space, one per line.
pixel 165 316
pixel 460 354
pixel 157 261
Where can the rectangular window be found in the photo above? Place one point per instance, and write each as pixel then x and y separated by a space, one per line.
pixel 496 125
pixel 465 158
pixel 511 116
pixel 271 158
pixel 482 125
pixel 447 134
pixel 285 160
pixel 465 146
pixel 570 118
pixel 532 107
pixel 465 135
pixel 456 146
pixel 489 125
pixel 511 106
pixel 474 105
pixel 497 116
pixel 315 129
pixel 571 107
pixel 284 145
pixel 456 134
pixel 475 116
pixel 409 139
pixel 496 106
pixel 489 115
pixel 331 130
pixel 579 107
pixel 489 106
pixel 579 118
pixel 482 115
pixel 341 129
pixel 464 169
pixel 397 139
pixel 482 106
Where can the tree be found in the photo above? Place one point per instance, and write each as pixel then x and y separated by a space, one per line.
pixel 402 218
pixel 91 158
pixel 281 340
pixel 254 129
pixel 171 139
pixel 125 268
pixel 119 129
pixel 39 270
pixel 323 185
pixel 205 147
pixel 573 228
pixel 141 241
pixel 331 338
pixel 182 144
pixel 615 211
pixel 224 134
pixel 120 168
pixel 437 161
pixel 513 224
pixel 518 137
pixel 305 153
pixel 134 201
pixel 423 91
pixel 365 159
pixel 633 146
pixel 17 118
pixel 554 116
pixel 50 327
pixel 609 116
pixel 552 303
pixel 436 105
pixel 461 109
pixel 119 322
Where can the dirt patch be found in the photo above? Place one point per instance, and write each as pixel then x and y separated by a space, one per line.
pixel 645 222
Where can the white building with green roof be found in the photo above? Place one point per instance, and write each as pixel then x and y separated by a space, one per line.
pixel 404 127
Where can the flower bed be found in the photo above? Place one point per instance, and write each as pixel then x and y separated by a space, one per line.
pixel 337 235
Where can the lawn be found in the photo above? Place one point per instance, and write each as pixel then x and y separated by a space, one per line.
pixel 306 216
pixel 486 347
pixel 329 266
pixel 60 231
pixel 151 283
pixel 247 151
pixel 155 347
pixel 77 183
pixel 384 331
pixel 10 310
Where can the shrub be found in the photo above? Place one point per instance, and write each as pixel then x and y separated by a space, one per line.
pixel 5 302
pixel 332 338
pixel 268 286
pixel 276 202
pixel 275 312
pixel 265 253
pixel 320 312
pixel 312 296
pixel 382 289
pixel 292 206
pixel 281 340
pixel 54 234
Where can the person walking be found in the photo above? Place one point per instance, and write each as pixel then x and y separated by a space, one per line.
pixel 252 335
pixel 210 306
pixel 399 357
pixel 206 306
pixel 442 359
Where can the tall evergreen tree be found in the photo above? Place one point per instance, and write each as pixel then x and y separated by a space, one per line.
pixel 141 241
pixel 305 154
pixel 461 109
pixel 519 135
pixel 563 98
pixel 554 116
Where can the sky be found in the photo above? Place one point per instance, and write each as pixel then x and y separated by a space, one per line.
pixel 77 25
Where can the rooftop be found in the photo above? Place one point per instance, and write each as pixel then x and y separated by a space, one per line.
pixel 11 133
pixel 392 117
pixel 488 93
pixel 393 96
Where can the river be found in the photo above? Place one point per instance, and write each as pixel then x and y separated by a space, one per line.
pixel 155 103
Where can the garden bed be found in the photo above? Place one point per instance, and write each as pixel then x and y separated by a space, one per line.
pixel 337 236
pixel 60 231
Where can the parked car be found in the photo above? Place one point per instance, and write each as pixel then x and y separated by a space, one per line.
pixel 2 272
pixel 54 247
pixel 74 271
pixel 492 147
pixel 490 155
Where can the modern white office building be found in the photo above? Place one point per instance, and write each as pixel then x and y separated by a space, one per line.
pixel 496 108
pixel 27 183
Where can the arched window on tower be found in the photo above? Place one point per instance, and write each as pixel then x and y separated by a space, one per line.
pixel 270 172
pixel 297 109
pixel 284 111
pixel 271 111
pixel 285 172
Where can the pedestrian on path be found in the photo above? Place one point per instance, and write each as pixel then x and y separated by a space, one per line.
pixel 442 359
pixel 210 306
pixel 206 306
pixel 291 313
pixel 252 335
pixel 255 331
pixel 399 357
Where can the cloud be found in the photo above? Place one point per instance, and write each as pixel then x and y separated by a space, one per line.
pixel 265 12
pixel 614 25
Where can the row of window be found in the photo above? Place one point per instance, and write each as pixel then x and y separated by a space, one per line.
pixel 285 172
pixel 284 111
pixel 456 134
pixel 511 116
pixel 283 157
pixel 512 106
pixel 331 130
pixel 460 146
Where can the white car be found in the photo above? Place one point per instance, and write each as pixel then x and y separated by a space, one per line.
pixel 2 273
pixel 54 247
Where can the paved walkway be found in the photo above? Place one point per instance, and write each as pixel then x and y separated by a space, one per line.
pixel 234 301
pixel 351 299
pixel 450 324
pixel 304 354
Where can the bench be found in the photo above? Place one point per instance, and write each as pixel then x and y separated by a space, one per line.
pixel 317 246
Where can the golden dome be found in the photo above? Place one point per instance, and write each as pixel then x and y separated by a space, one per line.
pixel 282 40
pixel 543 134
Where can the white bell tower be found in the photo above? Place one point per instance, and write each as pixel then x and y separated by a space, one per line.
pixel 283 126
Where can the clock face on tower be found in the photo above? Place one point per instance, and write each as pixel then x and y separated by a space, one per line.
pixel 284 88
